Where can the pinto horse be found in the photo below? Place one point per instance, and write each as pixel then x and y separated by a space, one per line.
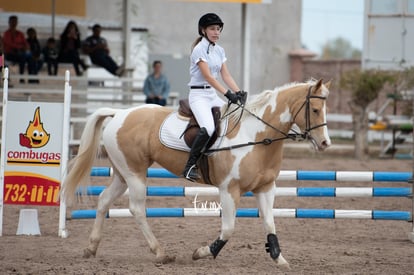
pixel 248 159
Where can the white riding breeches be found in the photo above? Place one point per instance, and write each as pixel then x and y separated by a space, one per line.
pixel 201 101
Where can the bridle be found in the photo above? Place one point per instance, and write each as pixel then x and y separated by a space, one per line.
pixel 306 134
pixel 267 141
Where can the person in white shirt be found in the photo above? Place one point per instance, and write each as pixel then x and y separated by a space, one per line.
pixel 208 62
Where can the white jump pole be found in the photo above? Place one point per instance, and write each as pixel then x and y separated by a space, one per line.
pixel 3 145
pixel 65 154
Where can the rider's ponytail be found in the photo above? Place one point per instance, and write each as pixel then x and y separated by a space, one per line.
pixel 198 39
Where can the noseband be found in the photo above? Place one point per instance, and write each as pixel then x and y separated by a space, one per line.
pixel 295 136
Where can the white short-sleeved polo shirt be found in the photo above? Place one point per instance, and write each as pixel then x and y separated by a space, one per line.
pixel 213 54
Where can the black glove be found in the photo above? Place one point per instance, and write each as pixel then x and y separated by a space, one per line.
pixel 233 98
pixel 242 95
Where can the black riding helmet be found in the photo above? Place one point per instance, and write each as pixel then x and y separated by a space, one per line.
pixel 209 19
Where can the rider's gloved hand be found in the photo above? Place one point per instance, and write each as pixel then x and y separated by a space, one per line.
pixel 233 98
pixel 242 95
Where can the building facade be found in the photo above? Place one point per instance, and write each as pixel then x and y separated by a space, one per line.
pixel 274 30
pixel 271 31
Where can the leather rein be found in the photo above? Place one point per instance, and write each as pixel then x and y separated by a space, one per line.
pixel 267 141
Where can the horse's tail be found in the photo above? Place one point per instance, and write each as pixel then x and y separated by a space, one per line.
pixel 80 166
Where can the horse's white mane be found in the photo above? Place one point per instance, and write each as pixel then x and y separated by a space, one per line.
pixel 256 103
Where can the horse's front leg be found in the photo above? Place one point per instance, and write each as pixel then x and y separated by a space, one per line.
pixel 228 219
pixel 265 201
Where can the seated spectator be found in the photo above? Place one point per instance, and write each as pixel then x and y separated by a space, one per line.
pixel 16 48
pixel 1 54
pixel 1 66
pixel 35 60
pixel 69 47
pixel 97 49
pixel 50 55
pixel 156 86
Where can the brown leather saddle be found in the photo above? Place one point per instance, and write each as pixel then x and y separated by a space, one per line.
pixel 192 128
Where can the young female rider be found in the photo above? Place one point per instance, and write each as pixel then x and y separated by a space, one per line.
pixel 208 61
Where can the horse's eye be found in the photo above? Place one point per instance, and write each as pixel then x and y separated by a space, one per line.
pixel 315 111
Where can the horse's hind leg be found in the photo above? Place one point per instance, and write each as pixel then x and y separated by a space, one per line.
pixel 265 201
pixel 106 198
pixel 137 197
pixel 228 220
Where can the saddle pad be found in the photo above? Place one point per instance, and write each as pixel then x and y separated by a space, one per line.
pixel 173 127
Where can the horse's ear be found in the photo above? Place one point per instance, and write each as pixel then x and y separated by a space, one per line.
pixel 318 85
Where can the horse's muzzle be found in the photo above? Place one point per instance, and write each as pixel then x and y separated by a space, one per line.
pixel 324 144
pixel 319 146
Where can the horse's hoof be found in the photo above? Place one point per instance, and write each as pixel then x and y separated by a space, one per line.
pixel 196 255
pixel 201 253
pixel 284 266
pixel 164 260
pixel 282 263
pixel 87 253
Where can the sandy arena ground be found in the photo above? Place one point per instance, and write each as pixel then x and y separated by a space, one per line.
pixel 312 246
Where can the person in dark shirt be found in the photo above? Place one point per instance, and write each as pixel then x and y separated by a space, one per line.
pixel 35 60
pixel 97 49
pixel 1 54
pixel 51 54
pixel 70 44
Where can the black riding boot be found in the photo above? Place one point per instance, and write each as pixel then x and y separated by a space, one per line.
pixel 200 141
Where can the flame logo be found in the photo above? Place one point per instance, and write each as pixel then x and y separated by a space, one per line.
pixel 35 136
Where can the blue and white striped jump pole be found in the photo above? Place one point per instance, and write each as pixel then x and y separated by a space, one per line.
pixel 188 191
pixel 253 213
pixel 290 175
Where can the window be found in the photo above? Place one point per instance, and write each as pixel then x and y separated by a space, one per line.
pixel 385 6
pixel 410 6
